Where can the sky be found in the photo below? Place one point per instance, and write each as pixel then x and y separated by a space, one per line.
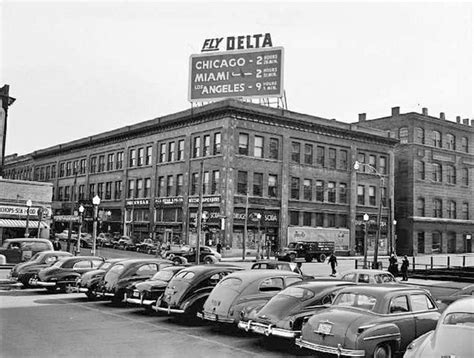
pixel 79 68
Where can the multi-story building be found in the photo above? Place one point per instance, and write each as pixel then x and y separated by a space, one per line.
pixel 434 185
pixel 294 170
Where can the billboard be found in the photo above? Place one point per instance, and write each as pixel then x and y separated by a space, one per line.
pixel 248 73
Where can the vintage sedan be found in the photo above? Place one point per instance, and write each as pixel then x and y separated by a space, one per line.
pixel 185 254
pixel 370 321
pixel 364 276
pixel 273 265
pixel 23 249
pixel 63 273
pixel 244 289
pixel 189 289
pixel 146 293
pixel 445 301
pixel 88 281
pixel 22 272
pixel 453 336
pixel 284 314
pixel 124 273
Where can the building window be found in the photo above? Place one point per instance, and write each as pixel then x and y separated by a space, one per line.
pixel 48 172
pixel 306 219
pixel 331 220
pixel 101 167
pixel 436 246
pixel 403 135
pixel 82 193
pixel 331 192
pixel 92 167
pixel 320 156
pixel 180 149
pixel 61 170
pixel 464 145
pixel 53 171
pixel 110 162
pixel 169 185
pixel 141 157
pixel 452 209
pixel 420 135
pixel 343 193
pixel 295 188
pixel 465 176
pixel 437 208
pixel 360 195
pixel 308 189
pixel 272 186
pixel 60 195
pixel 421 242
pixel 295 152
pixel 342 220
pixel 373 161
pixel 171 152
pixel 319 190
pixel 162 152
pixel 91 191
pixel 149 152
pixel 421 170
pixel 384 196
pixel 332 158
pixel 100 190
pixel 108 190
pixel 320 219
pixel 205 183
pixel 372 196
pixel 161 186
pixel 258 184
pixel 132 162
pixel 274 145
pixel 42 173
pixel 215 185
pixel 343 159
pixel 118 190
pixel 451 174
pixel 206 149
pixel 196 147
pixel 131 188
pixel 361 159
pixel 217 144
pixel 420 207
pixel 179 184
pixel 68 169
pixel 119 163
pixel 437 172
pixel 243 144
pixel 465 211
pixel 294 218
pixel 242 183
pixel 308 154
pixel 436 139
pixel 258 147
pixel 450 142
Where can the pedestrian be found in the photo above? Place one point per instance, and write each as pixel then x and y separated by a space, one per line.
pixel 219 247
pixel 299 263
pixel 332 260
pixel 393 265
pixel 57 245
pixel 404 268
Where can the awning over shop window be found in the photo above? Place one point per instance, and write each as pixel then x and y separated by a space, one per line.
pixel 32 224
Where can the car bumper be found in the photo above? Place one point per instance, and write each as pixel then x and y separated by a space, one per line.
pixel 214 318
pixel 332 350
pixel 267 329
pixel 138 301
pixel 36 282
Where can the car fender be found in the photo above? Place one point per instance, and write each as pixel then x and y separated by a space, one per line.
pixel 211 257
pixel 371 335
pixel 182 260
pixel 189 302
pixel 71 277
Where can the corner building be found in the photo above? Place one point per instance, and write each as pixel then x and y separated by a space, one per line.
pixel 434 195
pixel 295 170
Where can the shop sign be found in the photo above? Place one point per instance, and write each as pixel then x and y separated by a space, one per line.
pixel 177 200
pixel 66 218
pixel 205 200
pixel 137 202
pixel 243 42
pixel 268 217
pixel 249 73
pixel 7 210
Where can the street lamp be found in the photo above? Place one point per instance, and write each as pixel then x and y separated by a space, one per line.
pixel 81 212
pixel 394 237
pixel 95 202
pixel 366 220
pixel 28 206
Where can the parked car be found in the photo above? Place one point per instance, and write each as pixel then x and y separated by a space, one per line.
pixel 64 235
pixel 370 321
pixel 22 249
pixel 283 315
pixel 189 289
pixel 63 273
pixel 365 276
pixel 146 293
pixel 243 289
pixel 445 301
pixel 88 281
pixel 103 238
pixel 308 250
pixel 453 336
pixel 185 254
pixel 147 246
pixel 122 274
pixel 273 264
pixel 22 272
pixel 125 243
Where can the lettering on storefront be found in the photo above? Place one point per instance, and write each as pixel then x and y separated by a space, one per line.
pixel 7 210
pixel 169 201
pixel 66 218
pixel 138 202
pixel 205 200
pixel 270 218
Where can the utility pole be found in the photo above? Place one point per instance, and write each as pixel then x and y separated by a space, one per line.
pixel 245 224
pixel 199 213
pixel 73 192
pixel 6 102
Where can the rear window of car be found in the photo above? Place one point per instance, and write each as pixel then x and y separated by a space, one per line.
pixel 185 275
pixel 298 292
pixel 272 284
pixel 349 277
pixel 349 299
pixel 233 282
pixel 82 264
pixel 459 319
pixel 384 278
pixel 163 275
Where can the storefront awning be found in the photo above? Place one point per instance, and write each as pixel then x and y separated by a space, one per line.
pixel 32 224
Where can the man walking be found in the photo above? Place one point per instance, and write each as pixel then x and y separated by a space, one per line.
pixel 404 268
pixel 333 262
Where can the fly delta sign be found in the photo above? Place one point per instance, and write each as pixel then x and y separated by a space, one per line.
pixel 251 72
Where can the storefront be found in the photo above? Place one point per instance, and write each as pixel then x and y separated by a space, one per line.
pixel 267 226
pixel 169 220
pixel 137 219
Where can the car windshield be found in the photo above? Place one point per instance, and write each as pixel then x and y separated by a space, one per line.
pixel 233 282
pixel 292 245
pixel 114 272
pixel 358 300
pixel 163 275
pixel 185 275
pixel 58 263
pixel 384 278
pixel 459 319
pixel 298 292
pixel 35 257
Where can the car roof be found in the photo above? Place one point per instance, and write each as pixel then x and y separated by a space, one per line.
pixel 376 290
pixel 78 258
pixel 258 274
pixel 272 262
pixel 213 267
pixel 465 304
pixel 367 271
pixel 27 239
pixel 129 262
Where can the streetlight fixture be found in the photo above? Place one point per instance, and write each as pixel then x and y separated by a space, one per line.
pixel 95 202
pixel 81 212
pixel 366 221
pixel 28 206
pixel 394 237
pixel 258 218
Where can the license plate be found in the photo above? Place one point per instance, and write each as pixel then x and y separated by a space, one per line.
pixel 324 328
pixel 136 294
pixel 258 329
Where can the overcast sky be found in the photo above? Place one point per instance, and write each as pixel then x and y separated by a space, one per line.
pixel 80 68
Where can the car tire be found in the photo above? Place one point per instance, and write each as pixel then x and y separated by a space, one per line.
pixel 149 251
pixel 65 287
pixel 177 260
pixel 292 257
pixel 308 258
pixel 208 260
pixel 383 351
pixel 26 279
pixel 321 258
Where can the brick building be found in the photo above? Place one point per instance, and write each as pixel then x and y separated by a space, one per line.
pixel 295 170
pixel 434 196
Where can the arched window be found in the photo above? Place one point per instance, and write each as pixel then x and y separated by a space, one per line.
pixel 403 134
pixel 450 142
pixel 436 137
pixel 420 135
pixel 420 207
pixel 451 174
pixel 437 174
pixel 464 145
pixel 452 209
pixel 437 208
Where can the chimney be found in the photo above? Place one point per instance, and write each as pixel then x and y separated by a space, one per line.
pixel 362 117
pixel 458 119
pixel 442 116
pixel 465 121
pixel 395 111
pixel 424 110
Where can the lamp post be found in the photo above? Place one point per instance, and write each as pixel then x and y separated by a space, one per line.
pixel 394 237
pixel 81 212
pixel 258 218
pixel 366 220
pixel 357 165
pixel 95 202
pixel 6 101
pixel 28 206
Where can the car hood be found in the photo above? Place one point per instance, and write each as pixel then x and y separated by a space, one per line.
pixel 279 308
pixel 150 285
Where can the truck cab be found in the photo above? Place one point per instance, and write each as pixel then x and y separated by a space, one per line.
pixel 309 250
